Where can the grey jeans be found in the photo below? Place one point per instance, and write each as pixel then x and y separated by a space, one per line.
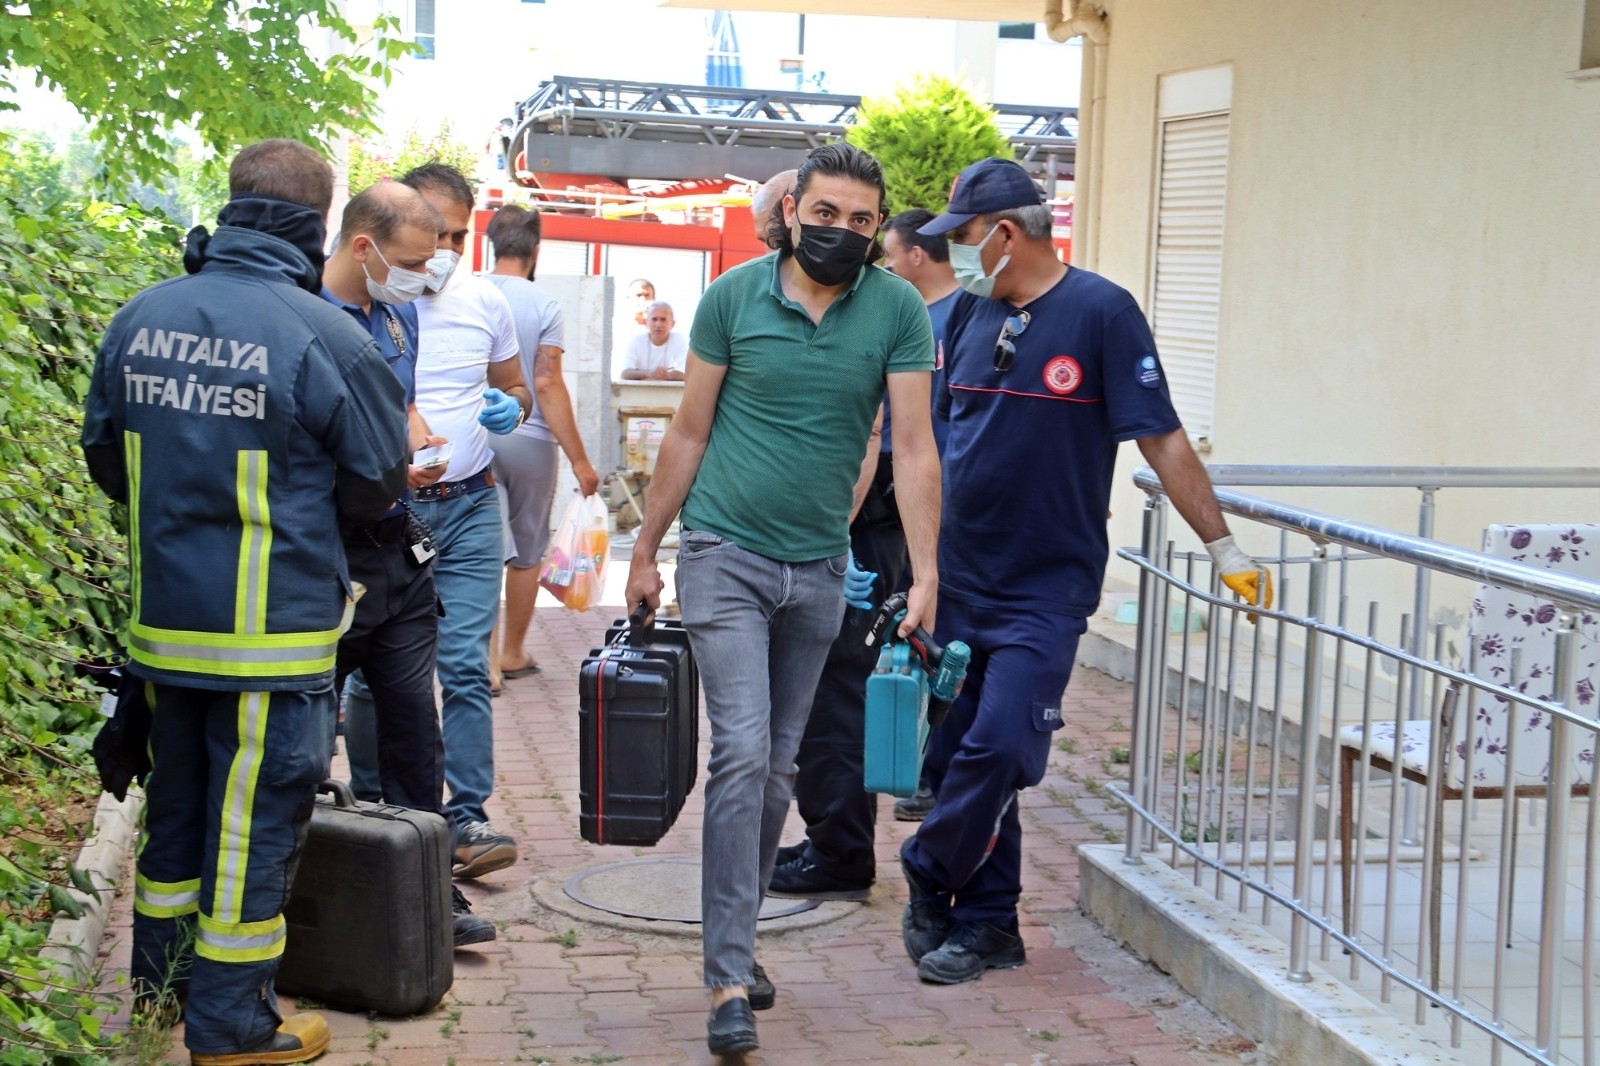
pixel 760 630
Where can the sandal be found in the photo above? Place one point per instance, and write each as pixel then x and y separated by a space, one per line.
pixel 530 667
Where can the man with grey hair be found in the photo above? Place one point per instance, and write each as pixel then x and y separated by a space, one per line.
pixel 660 352
pixel 1047 367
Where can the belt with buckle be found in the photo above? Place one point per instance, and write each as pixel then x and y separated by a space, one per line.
pixel 444 490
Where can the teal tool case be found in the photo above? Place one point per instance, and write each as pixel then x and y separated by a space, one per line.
pixel 897 722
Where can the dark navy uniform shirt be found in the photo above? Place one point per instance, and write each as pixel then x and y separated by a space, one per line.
pixel 394 328
pixel 1030 452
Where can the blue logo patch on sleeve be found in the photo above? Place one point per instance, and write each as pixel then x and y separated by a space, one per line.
pixel 1148 372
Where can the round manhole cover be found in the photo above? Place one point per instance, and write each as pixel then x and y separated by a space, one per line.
pixel 665 890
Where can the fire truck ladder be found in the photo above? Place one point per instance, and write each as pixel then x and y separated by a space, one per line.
pixel 633 130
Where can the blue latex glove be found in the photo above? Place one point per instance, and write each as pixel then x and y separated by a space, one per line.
pixel 858 586
pixel 499 414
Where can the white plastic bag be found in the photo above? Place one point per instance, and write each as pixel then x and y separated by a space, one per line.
pixel 574 567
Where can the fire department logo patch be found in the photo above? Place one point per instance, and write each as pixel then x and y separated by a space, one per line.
pixel 1063 375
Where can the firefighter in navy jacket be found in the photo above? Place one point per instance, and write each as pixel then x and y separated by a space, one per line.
pixel 238 415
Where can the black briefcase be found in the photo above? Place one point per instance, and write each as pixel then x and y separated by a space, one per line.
pixel 638 733
pixel 370 925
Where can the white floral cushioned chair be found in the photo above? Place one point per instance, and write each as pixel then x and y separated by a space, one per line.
pixel 1502 623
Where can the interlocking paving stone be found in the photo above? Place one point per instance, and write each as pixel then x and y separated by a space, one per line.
pixel 847 993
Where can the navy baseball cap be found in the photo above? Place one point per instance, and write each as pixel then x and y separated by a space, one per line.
pixel 986 186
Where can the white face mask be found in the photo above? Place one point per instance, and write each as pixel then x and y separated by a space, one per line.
pixel 402 287
pixel 440 267
pixel 967 262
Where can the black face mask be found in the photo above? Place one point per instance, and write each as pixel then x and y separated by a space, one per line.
pixel 830 255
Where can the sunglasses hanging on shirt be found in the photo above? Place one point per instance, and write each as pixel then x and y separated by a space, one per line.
pixel 1004 350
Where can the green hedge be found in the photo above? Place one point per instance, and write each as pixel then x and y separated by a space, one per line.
pixel 62 579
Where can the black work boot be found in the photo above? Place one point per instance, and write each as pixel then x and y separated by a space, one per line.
pixel 468 928
pixel 915 807
pixel 926 921
pixel 972 948
pixel 804 879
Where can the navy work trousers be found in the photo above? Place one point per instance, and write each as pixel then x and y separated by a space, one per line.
pixel 994 742
pixel 227 803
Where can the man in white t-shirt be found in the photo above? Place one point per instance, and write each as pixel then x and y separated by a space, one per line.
pixel 469 385
pixel 527 460
pixel 659 353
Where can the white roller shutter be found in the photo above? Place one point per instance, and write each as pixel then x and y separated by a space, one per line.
pixel 1186 293
pixel 563 257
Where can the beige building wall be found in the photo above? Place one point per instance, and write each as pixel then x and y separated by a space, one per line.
pixel 1410 260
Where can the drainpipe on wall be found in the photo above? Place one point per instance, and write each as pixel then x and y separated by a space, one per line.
pixel 1066 19
pixel 1080 18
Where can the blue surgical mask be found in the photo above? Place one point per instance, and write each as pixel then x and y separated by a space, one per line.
pixel 967 262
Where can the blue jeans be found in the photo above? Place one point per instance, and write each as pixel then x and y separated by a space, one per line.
pixel 466 577
pixel 760 630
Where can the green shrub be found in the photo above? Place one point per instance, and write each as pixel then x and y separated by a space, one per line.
pixel 62 580
pixel 923 135
pixel 372 160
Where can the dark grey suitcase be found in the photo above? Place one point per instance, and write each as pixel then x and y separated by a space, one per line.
pixel 369 920
pixel 638 712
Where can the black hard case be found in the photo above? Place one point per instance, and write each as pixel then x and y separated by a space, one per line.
pixel 638 734
pixel 370 924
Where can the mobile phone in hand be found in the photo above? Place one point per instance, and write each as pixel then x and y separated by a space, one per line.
pixel 428 458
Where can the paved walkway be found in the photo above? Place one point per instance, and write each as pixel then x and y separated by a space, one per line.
pixel 553 989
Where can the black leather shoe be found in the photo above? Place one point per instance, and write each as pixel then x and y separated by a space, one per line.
pixel 803 879
pixel 926 922
pixel 762 994
pixel 731 1028
pixel 972 948
pixel 789 853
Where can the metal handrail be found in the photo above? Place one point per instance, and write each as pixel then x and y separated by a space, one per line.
pixel 1443 558
pixel 1415 477
pixel 1560 694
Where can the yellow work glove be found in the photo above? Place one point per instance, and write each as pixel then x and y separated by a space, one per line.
pixel 1240 573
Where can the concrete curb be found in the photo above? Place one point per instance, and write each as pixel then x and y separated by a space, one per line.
pixel 74 943
pixel 1230 964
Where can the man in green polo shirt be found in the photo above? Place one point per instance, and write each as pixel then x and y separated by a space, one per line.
pixel 790 355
